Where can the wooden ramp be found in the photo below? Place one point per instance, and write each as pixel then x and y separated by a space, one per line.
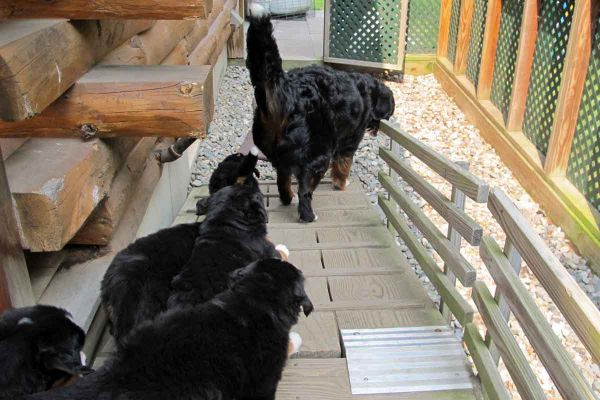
pixel 357 278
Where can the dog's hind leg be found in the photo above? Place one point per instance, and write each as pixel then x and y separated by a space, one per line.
pixel 308 180
pixel 340 171
pixel 284 186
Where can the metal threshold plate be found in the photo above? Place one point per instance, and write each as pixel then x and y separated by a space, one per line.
pixel 403 360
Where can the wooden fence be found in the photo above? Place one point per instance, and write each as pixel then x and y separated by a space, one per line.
pixel 527 74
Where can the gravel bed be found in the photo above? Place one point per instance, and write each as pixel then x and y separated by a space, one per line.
pixel 427 113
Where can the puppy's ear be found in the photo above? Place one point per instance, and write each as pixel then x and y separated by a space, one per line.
pixel 382 101
pixel 202 206
pixel 302 298
pixel 248 166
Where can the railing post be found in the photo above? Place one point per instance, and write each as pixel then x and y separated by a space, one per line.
pixel 464 36
pixel 15 286
pixel 444 29
pixel 458 198
pixel 488 51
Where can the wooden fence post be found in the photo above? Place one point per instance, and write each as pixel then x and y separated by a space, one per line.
pixel 571 90
pixel 488 52
pixel 15 286
pixel 464 36
pixel 529 28
pixel 444 30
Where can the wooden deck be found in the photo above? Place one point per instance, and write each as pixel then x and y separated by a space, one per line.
pixel 356 277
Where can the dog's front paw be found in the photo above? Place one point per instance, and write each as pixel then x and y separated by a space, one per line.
pixel 308 217
pixel 284 251
pixel 294 344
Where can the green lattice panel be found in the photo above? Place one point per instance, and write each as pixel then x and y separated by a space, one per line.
pixel 506 54
pixel 476 42
pixel 365 30
pixel 454 23
pixel 554 25
pixel 423 26
pixel 584 162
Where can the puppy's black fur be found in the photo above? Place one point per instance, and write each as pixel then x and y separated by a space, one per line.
pixel 39 346
pixel 137 284
pixel 309 117
pixel 231 347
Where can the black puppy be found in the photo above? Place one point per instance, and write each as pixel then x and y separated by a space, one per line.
pixel 231 347
pixel 39 347
pixel 309 118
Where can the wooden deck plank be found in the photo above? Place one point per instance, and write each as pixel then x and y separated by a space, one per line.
pixel 335 201
pixel 364 258
pixel 320 338
pixel 377 287
pixel 327 219
pixel 389 318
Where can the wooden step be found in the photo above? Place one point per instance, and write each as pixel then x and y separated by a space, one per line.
pixel 116 9
pixel 159 101
pixel 41 59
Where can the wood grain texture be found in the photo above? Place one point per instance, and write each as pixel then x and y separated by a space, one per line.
pixel 524 64
pixel 458 219
pixel 444 28
pixel 486 367
pixel 456 262
pixel 163 101
pixel 327 218
pixel 455 302
pixel 41 59
pixel 488 49
pixel 376 287
pixel 104 9
pixel 574 304
pixel 427 316
pixel 471 185
pixel 566 376
pixel 514 359
pixel 365 259
pixel 15 286
pixel 53 202
pixel 319 334
pixel 571 88
pixel 464 36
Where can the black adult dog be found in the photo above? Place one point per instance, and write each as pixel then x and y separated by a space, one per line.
pixel 39 347
pixel 309 118
pixel 231 347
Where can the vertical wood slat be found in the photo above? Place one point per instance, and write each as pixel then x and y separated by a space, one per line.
pixel 571 90
pixel 403 31
pixel 524 64
pixel 488 52
pixel 327 28
pixel 444 30
pixel 15 286
pixel 459 199
pixel 464 36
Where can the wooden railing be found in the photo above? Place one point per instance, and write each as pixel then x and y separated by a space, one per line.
pixel 525 73
pixel 511 296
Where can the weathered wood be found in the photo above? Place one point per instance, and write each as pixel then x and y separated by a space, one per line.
pixel 376 287
pixel 213 43
pixel 567 377
pixel 444 28
pixel 488 49
pixel 15 286
pixel 120 9
pixel 53 202
pixel 105 219
pixel 41 59
pixel 471 185
pixel 457 218
pixel 319 334
pixel 571 88
pixel 516 363
pixel 327 218
pixel 159 101
pixel 42 267
pixel 524 64
pixel 177 56
pixel 488 372
pixel 235 44
pixel 574 304
pixel 464 36
pixel 464 271
pixel 457 304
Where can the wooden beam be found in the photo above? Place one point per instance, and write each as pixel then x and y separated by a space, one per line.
pixel 444 28
pixel 571 89
pixel 168 101
pixel 15 286
pixel 9 146
pixel 120 9
pixel 524 64
pixel 489 46
pixel 41 59
pixel 464 36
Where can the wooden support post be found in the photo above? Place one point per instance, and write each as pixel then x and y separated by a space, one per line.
pixel 488 51
pixel 167 101
pixel 15 286
pixel 118 9
pixel 459 199
pixel 571 89
pixel 444 29
pixel 529 27
pixel 464 36
pixel 514 258
pixel 235 44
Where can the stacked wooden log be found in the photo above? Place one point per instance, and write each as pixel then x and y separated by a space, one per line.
pixel 84 103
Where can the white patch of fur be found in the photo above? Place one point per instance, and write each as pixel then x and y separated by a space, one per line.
pixel 83 358
pixel 25 321
pixel 295 200
pixel 296 341
pixel 316 218
pixel 254 151
pixel 256 10
pixel 282 248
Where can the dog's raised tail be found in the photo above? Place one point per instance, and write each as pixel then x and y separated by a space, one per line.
pixel 263 60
